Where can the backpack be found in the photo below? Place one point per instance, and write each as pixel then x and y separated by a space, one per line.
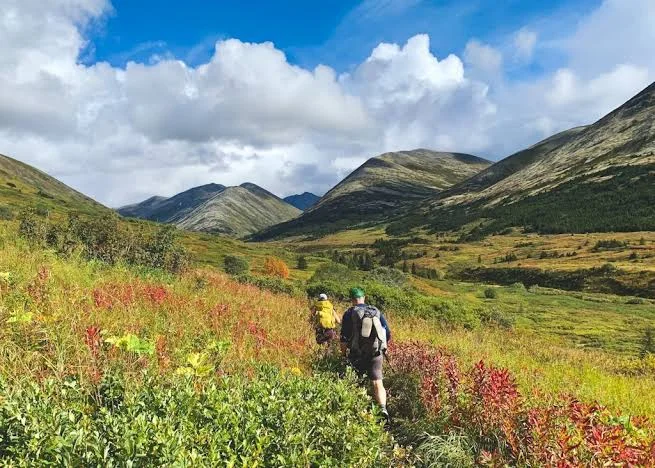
pixel 325 314
pixel 369 338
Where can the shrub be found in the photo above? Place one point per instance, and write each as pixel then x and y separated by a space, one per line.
pixel 302 263
pixel 276 267
pixel 317 421
pixel 235 265
pixel 491 293
pixel 108 240
pixel 6 214
pixel 388 276
pixel 495 317
pixel 483 404
pixel 276 285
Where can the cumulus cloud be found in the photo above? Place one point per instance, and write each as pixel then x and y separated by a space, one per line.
pixel 247 114
pixel 483 57
pixel 524 44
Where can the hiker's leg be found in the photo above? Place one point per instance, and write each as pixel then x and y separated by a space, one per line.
pixel 380 393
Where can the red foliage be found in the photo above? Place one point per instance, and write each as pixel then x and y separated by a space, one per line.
pixel 157 294
pixel 38 287
pixel 486 402
pixel 113 294
pixel 93 341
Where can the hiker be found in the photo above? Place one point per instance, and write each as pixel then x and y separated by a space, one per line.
pixel 325 320
pixel 364 337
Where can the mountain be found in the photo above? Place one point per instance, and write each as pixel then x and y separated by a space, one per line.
pixel 595 178
pixel 303 201
pixel 173 209
pixel 239 211
pixel 382 187
pixel 22 186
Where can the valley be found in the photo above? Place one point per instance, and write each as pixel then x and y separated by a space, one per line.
pixel 520 293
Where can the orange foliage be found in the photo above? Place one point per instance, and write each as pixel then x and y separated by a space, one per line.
pixel 274 266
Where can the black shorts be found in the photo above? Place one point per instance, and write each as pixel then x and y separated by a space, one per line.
pixel 369 366
pixel 325 335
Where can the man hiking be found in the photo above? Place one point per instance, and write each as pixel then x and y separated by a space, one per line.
pixel 325 319
pixel 364 337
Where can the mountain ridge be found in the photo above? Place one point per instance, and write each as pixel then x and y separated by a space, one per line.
pixel 380 187
pixel 302 201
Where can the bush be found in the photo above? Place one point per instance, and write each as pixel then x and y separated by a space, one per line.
pixel 276 267
pixel 491 293
pixel 276 285
pixel 495 317
pixel 318 421
pixel 235 265
pixel 302 263
pixel 388 276
pixel 108 240
pixel 6 214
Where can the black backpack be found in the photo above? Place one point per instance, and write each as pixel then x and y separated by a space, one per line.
pixel 369 338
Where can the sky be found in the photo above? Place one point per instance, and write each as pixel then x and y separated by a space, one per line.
pixel 123 100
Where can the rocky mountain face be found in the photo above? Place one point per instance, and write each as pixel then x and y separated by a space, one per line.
pixel 303 201
pixel 381 188
pixel 23 186
pixel 595 178
pixel 239 211
pixel 234 211
pixel 173 209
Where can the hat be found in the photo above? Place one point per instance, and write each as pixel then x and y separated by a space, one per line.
pixel 357 293
pixel 322 297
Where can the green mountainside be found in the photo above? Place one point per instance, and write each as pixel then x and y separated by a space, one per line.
pixel 173 209
pixel 239 211
pixel 382 188
pixel 22 186
pixel 595 178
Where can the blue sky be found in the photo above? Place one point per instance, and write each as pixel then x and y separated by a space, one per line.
pixel 337 33
pixel 124 99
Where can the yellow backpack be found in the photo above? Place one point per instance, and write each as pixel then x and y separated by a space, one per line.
pixel 325 314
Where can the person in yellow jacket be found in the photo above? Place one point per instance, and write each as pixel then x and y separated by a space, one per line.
pixel 325 320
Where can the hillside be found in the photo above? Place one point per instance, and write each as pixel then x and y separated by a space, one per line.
pixel 595 178
pixel 173 209
pixel 303 201
pixel 239 211
pixel 23 186
pixel 381 187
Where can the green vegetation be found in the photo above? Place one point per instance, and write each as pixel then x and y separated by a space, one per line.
pixel 208 422
pixel 235 265
pixel 106 239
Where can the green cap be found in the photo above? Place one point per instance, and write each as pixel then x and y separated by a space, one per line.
pixel 357 293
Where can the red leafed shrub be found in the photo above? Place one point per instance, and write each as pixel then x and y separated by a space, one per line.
pixel 485 403
pixel 111 295
pixel 157 294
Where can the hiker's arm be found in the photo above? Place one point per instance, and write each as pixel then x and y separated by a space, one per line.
pixel 346 331
pixel 384 323
pixel 336 316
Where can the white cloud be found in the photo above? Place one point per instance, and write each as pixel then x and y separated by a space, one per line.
pixel 121 134
pixel 483 57
pixel 525 41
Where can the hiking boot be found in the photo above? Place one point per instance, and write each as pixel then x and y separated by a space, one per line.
pixel 385 415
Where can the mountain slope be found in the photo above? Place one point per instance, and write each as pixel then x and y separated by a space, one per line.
pixel 380 188
pixel 302 201
pixel 595 178
pixel 23 186
pixel 173 209
pixel 239 211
